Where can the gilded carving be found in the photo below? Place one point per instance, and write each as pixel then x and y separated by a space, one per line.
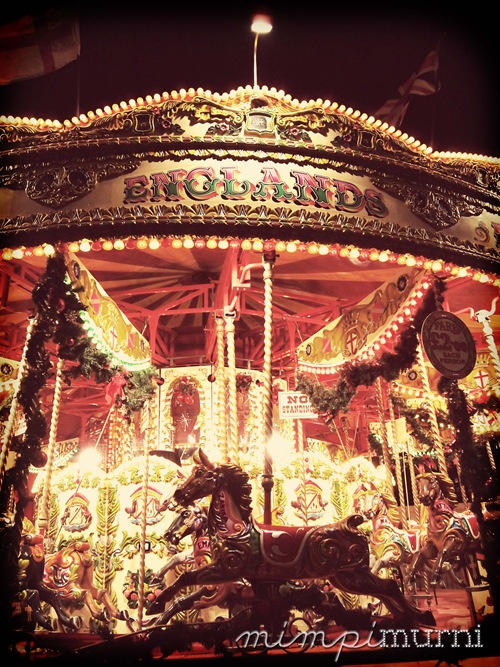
pixel 436 207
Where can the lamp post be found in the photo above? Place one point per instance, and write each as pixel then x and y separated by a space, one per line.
pixel 261 25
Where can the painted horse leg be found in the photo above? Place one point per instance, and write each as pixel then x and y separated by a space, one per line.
pixel 453 545
pixel 364 582
pixel 31 598
pixel 96 612
pixel 104 598
pixel 181 604
pixel 427 553
pixel 52 598
pixel 181 557
pixel 206 574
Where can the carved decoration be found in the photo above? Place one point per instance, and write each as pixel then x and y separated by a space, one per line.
pixel 61 185
pixel 438 208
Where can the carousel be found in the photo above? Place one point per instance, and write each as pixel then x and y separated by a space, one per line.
pixel 250 382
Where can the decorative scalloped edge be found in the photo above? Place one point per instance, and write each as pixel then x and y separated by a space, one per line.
pixel 243 95
pixel 245 217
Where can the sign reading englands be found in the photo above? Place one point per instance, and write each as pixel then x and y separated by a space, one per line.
pixel 449 344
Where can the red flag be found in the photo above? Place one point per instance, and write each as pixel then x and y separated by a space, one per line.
pixel 422 82
pixel 36 45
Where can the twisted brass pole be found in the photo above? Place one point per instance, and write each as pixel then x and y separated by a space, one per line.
pixel 399 474
pixel 142 549
pixel 43 516
pixel 221 391
pixel 233 406
pixel 386 454
pixel 267 477
pixel 435 433
pixel 13 407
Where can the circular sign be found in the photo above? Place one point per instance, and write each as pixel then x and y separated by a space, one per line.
pixel 448 344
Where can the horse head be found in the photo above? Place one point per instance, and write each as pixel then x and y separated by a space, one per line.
pixel 192 519
pixel 428 488
pixel 203 481
pixel 366 500
pixel 369 501
pixel 433 486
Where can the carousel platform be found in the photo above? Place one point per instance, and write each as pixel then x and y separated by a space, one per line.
pixel 454 641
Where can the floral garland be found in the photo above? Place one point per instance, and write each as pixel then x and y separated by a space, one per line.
pixel 330 401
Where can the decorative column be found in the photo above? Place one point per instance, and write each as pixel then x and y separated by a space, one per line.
pixel 435 433
pixel 399 475
pixel 413 480
pixel 385 441
pixel 268 260
pixel 221 391
pixel 42 522
pixel 13 407
pixel 231 386
pixel 148 444
pixel 303 478
pixel 463 492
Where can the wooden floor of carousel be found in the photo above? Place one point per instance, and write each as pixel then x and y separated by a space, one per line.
pixel 469 641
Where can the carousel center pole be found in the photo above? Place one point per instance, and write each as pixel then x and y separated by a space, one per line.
pixel 268 259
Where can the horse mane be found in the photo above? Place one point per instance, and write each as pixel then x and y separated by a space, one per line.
pixel 237 484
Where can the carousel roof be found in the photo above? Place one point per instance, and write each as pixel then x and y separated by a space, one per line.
pixel 172 267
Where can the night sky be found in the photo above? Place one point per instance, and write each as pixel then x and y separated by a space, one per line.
pixel 355 57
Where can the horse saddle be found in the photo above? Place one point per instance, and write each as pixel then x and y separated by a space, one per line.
pixel 283 545
pixel 414 539
pixel 471 521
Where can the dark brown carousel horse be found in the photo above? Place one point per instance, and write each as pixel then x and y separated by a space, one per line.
pixel 392 547
pixel 192 521
pixel 70 572
pixel 271 556
pixel 452 538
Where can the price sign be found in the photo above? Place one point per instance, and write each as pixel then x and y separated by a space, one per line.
pixel 449 344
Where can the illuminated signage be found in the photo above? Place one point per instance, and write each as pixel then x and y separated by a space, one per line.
pixel 302 188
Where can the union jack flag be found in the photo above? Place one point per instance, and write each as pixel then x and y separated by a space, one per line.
pixel 423 81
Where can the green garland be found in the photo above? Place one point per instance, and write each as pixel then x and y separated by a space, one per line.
pixel 330 401
pixel 58 321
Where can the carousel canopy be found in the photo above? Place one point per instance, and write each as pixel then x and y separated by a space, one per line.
pixel 172 202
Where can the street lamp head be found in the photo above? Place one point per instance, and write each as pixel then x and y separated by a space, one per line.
pixel 261 24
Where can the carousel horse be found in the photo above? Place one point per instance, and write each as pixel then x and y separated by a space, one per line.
pixel 452 538
pixel 191 521
pixel 70 573
pixel 33 590
pixel 269 557
pixel 392 548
